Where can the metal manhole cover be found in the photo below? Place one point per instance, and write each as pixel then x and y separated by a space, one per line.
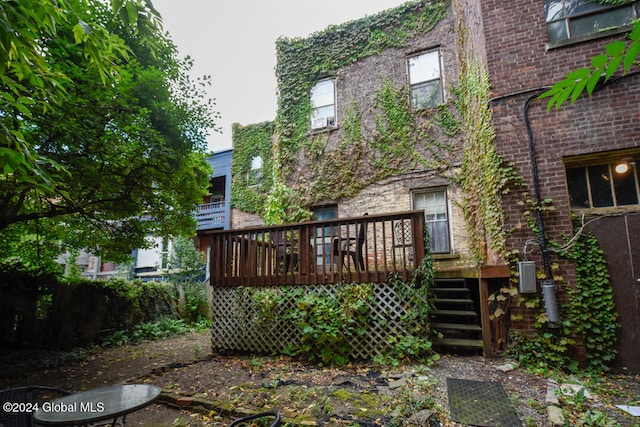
pixel 480 403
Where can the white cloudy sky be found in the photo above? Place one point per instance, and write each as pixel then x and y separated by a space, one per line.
pixel 234 42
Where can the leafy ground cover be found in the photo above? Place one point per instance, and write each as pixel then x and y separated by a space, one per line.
pixel 216 386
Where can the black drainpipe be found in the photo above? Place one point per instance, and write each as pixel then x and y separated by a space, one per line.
pixel 548 286
pixel 536 187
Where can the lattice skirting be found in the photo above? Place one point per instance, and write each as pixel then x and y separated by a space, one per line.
pixel 238 325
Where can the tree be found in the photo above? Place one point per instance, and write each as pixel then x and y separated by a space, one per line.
pixel 104 142
pixel 185 269
pixel 26 77
pixel 603 66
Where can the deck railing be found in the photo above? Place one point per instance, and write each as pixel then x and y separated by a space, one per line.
pixel 358 249
pixel 210 215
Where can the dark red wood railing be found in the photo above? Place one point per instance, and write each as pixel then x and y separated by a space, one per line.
pixel 358 249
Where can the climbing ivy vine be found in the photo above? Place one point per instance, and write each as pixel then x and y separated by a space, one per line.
pixel 249 142
pixel 484 176
pixel 591 309
pixel 301 61
pixel 589 316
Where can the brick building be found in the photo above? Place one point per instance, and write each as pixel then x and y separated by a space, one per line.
pixel 362 128
pixel 528 46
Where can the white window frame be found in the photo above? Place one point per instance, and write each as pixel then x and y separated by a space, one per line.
pixel 439 244
pixel 425 70
pixel 323 104
pixel 254 176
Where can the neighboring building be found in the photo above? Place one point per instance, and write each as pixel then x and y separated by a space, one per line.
pixel 215 212
pixel 528 46
pixel 90 266
pixel 212 214
pixel 149 263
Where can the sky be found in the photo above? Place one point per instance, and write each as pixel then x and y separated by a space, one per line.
pixel 233 41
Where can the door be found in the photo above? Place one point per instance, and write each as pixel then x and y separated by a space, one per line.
pixel 619 238
pixel 322 240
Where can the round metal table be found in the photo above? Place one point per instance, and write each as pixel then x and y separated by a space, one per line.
pixel 95 405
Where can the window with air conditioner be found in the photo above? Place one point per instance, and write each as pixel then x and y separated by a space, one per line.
pixel 425 80
pixel 323 104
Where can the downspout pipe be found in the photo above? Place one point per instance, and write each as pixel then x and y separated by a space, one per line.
pixel 548 286
pixel 536 188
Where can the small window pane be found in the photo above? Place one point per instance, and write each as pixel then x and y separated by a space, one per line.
pixel 578 189
pixel 424 67
pixel 426 94
pixel 257 162
pixel 322 112
pixel 557 31
pixel 576 7
pixel 601 21
pixel 625 188
pixel 554 9
pixel 600 181
pixel 322 93
pixel 439 235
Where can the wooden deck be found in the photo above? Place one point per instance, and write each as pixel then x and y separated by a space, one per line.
pixel 369 248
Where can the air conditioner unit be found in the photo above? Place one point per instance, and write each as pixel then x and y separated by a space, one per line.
pixel 319 123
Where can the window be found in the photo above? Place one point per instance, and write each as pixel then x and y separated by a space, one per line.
pixel 603 185
pixel 424 80
pixel 323 104
pixel 254 176
pixel 322 241
pixel 568 19
pixel 436 215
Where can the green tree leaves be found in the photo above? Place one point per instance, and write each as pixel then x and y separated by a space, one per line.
pixel 603 67
pixel 91 136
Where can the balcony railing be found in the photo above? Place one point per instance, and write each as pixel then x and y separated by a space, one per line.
pixel 210 215
pixel 358 249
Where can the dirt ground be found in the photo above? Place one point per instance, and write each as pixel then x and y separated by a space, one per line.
pixel 215 389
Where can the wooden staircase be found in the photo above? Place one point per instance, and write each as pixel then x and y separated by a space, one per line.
pixel 455 316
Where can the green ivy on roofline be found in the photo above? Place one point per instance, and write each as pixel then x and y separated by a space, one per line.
pixel 248 142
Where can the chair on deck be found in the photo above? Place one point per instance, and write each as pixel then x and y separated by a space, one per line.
pixel 25 395
pixel 351 246
pixel 287 252
pixel 243 420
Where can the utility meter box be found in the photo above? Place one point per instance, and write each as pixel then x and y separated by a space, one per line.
pixel 527 277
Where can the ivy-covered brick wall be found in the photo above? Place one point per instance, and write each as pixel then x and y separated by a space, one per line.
pixel 380 149
pixel 376 134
